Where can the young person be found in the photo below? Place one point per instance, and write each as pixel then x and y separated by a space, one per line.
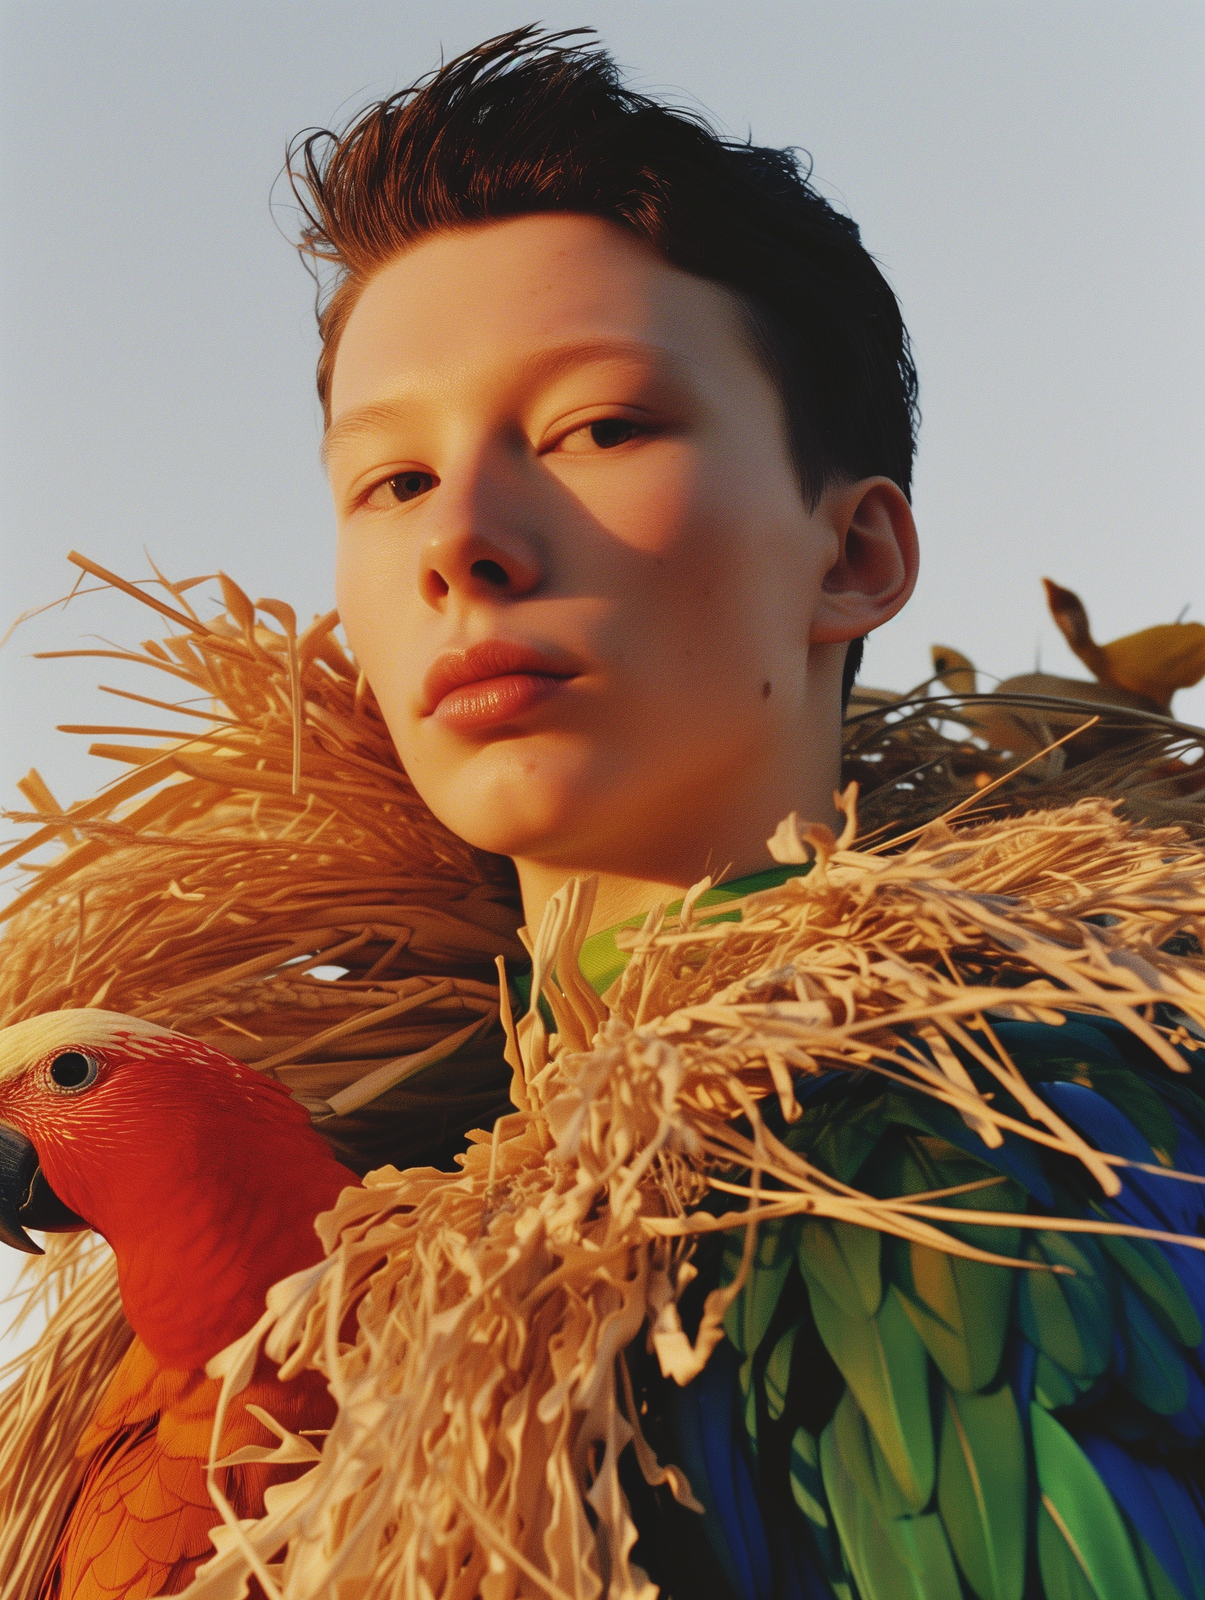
pixel 620 425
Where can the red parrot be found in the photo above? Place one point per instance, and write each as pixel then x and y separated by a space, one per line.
pixel 205 1177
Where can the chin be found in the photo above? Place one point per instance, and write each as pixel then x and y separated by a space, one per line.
pixel 513 826
pixel 502 836
pixel 510 805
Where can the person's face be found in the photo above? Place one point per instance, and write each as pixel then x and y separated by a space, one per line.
pixel 574 561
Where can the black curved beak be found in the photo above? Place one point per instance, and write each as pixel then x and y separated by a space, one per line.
pixel 26 1199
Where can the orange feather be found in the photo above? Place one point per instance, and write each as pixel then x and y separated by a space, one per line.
pixel 141 1521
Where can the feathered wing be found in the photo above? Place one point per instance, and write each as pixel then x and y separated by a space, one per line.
pixel 141 1520
pixel 996 1432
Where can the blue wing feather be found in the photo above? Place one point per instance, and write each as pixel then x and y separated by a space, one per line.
pixel 1099 1120
pixel 709 1426
pixel 1162 1504
pixel 1165 1510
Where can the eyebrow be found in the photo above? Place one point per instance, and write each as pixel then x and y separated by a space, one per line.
pixel 544 365
pixel 365 419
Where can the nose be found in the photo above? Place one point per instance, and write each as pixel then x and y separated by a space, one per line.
pixel 485 546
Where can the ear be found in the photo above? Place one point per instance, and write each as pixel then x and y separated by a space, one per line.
pixel 877 559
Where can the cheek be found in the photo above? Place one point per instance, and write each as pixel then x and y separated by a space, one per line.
pixel 57 1157
pixel 654 504
pixel 733 575
pixel 59 1172
pixel 355 567
pixel 371 580
pixel 719 531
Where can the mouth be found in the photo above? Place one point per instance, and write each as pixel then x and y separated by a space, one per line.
pixel 492 683
pixel 26 1199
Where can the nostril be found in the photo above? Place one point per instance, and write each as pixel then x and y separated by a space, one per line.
pixel 490 572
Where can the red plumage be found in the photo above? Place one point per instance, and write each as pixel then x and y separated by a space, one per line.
pixel 206 1179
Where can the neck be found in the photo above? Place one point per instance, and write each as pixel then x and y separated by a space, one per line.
pixel 619 896
pixel 195 1272
pixel 661 858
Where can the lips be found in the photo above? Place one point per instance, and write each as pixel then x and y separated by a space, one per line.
pixel 492 683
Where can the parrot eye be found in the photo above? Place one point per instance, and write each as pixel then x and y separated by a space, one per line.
pixel 73 1070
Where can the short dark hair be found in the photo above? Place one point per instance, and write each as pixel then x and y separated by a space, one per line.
pixel 535 122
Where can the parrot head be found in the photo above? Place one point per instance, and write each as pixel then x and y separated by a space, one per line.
pixel 198 1170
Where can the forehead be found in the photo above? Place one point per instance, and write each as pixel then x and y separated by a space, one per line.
pixel 490 298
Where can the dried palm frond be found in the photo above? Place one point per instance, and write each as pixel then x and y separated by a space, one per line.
pixel 1150 665
pixel 914 758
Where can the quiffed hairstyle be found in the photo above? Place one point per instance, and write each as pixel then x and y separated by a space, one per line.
pixel 534 122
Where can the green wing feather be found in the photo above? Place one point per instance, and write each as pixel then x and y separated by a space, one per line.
pixel 905 1558
pixel 983 1490
pixel 921 1545
pixel 855 1521
pixel 865 1462
pixel 1064 1576
pixel 1154 1277
pixel 1053 1388
pixel 1069 1317
pixel 778 1373
pixel 841 1134
pixel 884 1362
pixel 750 1394
pixel 807 1489
pixel 750 1314
pixel 1083 1546
pixel 808 1493
pixel 845 1261
pixel 960 1308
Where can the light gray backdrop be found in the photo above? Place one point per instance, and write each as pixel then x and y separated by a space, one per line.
pixel 1028 174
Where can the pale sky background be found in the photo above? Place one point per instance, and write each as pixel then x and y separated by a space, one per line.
pixel 1028 174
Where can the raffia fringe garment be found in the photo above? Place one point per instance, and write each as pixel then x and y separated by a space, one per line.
pixel 482 1400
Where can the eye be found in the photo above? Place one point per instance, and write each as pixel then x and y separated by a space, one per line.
pixel 612 431
pixel 409 485
pixel 73 1070
pixel 605 434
